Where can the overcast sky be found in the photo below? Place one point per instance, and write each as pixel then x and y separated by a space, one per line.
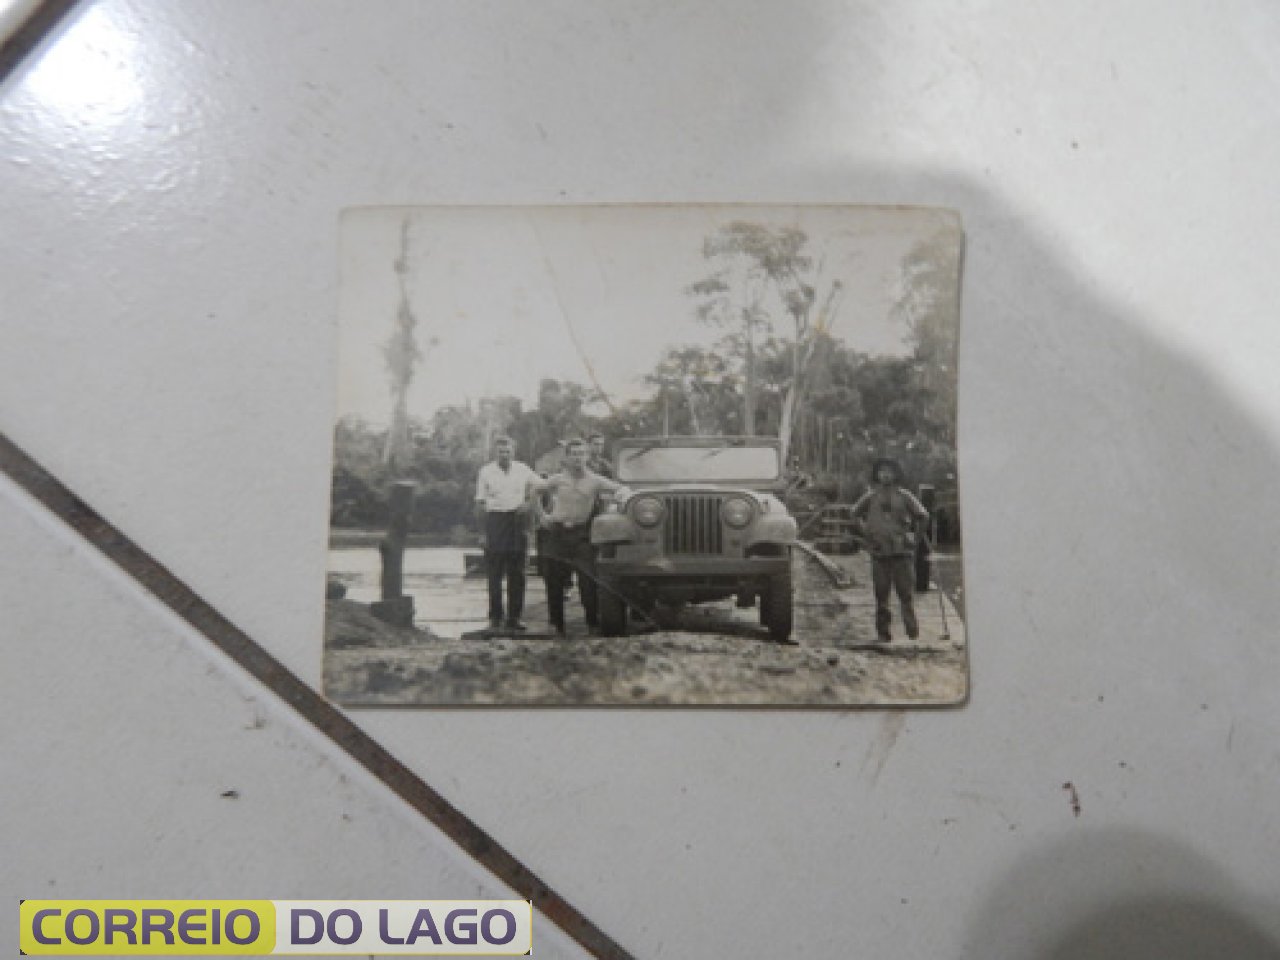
pixel 505 296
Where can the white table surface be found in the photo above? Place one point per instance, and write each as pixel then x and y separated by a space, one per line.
pixel 172 175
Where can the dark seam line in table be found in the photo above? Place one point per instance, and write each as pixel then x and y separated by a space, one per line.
pixel 182 600
pixel 38 27
pixel 325 717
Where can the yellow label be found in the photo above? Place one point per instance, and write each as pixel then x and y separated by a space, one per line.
pixel 147 927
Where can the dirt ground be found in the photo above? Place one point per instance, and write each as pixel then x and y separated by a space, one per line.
pixel 714 654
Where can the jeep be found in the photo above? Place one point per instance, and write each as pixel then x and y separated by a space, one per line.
pixel 701 524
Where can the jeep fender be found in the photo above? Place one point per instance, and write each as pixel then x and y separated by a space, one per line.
pixel 612 528
pixel 773 529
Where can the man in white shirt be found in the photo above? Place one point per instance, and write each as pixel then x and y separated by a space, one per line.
pixel 502 507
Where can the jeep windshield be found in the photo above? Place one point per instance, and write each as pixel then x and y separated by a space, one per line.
pixel 704 463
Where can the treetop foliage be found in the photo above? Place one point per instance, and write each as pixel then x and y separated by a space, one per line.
pixel 775 370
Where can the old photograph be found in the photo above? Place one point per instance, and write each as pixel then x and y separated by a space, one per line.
pixel 647 455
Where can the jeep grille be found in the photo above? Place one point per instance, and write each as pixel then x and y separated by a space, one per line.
pixel 693 524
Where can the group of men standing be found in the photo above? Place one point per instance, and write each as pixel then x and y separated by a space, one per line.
pixel 512 500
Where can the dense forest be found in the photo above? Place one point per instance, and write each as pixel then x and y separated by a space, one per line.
pixel 772 369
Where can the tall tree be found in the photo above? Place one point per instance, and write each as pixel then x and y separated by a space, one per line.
pixel 747 259
pixel 756 265
pixel 808 338
pixel 458 434
pixel 697 391
pixel 561 405
pixel 401 355
pixel 926 307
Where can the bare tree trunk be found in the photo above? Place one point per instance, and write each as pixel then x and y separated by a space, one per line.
pixel 749 397
pixel 692 401
pixel 395 451
pixel 401 355
pixel 802 350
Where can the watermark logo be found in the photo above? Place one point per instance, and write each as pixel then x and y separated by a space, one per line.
pixel 457 928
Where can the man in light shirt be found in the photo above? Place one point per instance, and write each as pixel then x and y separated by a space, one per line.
pixel 502 507
pixel 575 492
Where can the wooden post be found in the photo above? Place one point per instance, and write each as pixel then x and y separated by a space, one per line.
pixel 928 500
pixel 395 607
pixel 392 545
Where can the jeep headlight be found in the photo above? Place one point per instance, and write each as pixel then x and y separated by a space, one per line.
pixel 646 511
pixel 737 512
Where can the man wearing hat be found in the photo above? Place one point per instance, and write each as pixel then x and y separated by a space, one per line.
pixel 892 520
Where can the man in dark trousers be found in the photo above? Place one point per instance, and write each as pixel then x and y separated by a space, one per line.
pixel 597 460
pixel 892 520
pixel 502 507
pixel 575 492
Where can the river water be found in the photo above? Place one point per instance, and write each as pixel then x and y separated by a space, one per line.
pixel 361 567
pixel 433 576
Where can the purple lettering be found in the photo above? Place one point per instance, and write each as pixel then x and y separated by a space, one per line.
pixel 156 920
pixel 451 927
pixel 424 926
pixel 121 922
pixel 295 926
pixel 486 926
pixel 191 926
pixel 356 927
pixel 74 937
pixel 255 926
pixel 383 932
pixel 37 926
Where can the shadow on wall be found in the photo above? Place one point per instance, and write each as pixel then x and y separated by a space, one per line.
pixel 1102 447
pixel 1120 894
pixel 1121 607
pixel 1094 457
